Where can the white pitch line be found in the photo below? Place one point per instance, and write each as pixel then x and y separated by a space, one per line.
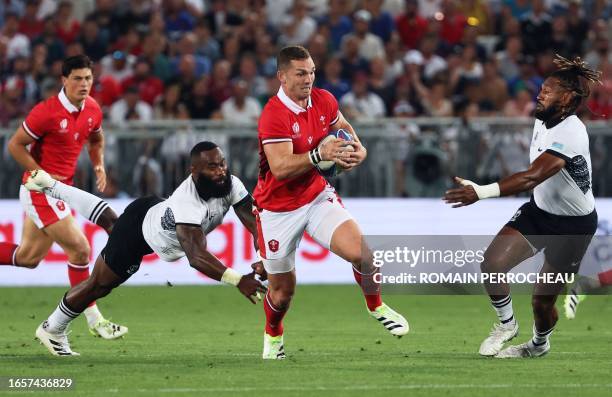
pixel 367 388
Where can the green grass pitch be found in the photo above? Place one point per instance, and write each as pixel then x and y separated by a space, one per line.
pixel 206 341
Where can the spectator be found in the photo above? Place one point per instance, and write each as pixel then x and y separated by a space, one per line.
pixel 600 53
pixel 382 24
pixel 177 19
pixel 55 47
pixel 411 26
pixel 105 89
pixel 137 16
pixel 352 62
pixel 527 78
pixel 17 44
pixel 222 21
pixel 130 107
pixel 201 106
pixel 93 44
pixel 248 72
pixel 508 59
pixel 187 46
pixel 68 27
pixel 241 108
pixel 430 63
pixel 118 64
pixel 360 103
pixel 220 84
pixel 207 46
pixel 561 42
pixel 298 27
pixel 332 80
pixel 29 24
pixel 518 8
pixel 378 83
pixel 453 23
pixel 149 87
pixel 129 42
pixel 153 48
pixel 478 15
pixel 536 28
pixel 496 92
pixel 522 105
pixel 11 104
pixel 171 106
pixel 338 22
pixel 370 45
pixel 107 16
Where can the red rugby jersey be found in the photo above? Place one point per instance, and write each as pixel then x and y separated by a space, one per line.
pixel 283 120
pixel 60 130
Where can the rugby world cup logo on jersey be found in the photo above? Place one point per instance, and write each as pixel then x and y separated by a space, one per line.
pixel 63 126
pixel 296 130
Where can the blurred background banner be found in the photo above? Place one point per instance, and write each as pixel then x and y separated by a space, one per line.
pixel 233 244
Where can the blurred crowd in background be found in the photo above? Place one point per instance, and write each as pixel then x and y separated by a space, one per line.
pixel 215 59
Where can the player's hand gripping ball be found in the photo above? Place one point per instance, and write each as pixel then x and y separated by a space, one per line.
pixel 329 168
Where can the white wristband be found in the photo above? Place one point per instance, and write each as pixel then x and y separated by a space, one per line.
pixel 231 277
pixel 483 192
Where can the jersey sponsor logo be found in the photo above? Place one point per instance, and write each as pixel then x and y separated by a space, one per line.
pixel 60 205
pixel 63 126
pixel 310 140
pixel 167 221
pixel 273 245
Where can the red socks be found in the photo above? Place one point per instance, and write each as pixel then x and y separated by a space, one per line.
pixel 274 318
pixel 77 274
pixel 7 252
pixel 371 290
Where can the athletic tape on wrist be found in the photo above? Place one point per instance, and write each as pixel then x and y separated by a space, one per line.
pixel 231 277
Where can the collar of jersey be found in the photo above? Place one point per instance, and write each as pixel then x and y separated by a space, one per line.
pixel 294 107
pixel 67 104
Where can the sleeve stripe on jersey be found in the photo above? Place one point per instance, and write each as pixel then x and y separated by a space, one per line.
pixel 335 120
pixel 29 131
pixel 246 199
pixel 275 140
pixel 557 154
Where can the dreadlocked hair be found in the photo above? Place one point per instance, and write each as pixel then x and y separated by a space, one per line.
pixel 575 76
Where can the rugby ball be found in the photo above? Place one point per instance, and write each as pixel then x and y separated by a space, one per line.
pixel 327 165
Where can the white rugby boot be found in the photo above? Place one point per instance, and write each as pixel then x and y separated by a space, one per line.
pixel 273 348
pixel 525 350
pixel 107 329
pixel 500 334
pixel 56 343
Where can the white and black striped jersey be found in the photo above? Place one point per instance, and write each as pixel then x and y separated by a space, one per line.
pixel 185 206
pixel 569 192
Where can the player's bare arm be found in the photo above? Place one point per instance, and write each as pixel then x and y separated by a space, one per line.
pixel 359 155
pixel 545 166
pixel 244 211
pixel 193 242
pixel 95 149
pixel 284 164
pixel 17 147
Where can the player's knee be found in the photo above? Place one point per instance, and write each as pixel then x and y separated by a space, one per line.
pixel 80 253
pixel 281 298
pixel 25 259
pixel 30 263
pixel 492 264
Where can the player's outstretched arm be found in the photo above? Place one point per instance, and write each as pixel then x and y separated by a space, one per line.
pixel 244 211
pixel 545 166
pixel 359 155
pixel 193 241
